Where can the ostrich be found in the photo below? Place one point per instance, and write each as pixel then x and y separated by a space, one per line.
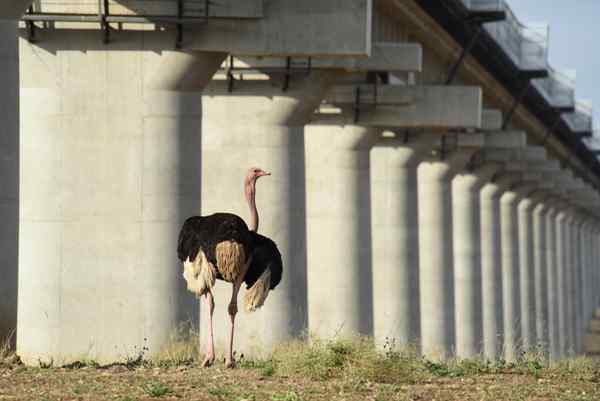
pixel 221 246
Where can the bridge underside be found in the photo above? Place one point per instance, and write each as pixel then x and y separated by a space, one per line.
pixel 435 215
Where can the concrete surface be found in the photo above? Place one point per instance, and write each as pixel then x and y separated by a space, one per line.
pixel 396 239
pixel 259 124
pixel 340 273
pixel 110 168
pixel 511 294
pixel 9 178
pixel 435 258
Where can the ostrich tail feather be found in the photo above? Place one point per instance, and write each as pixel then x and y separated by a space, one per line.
pixel 199 274
pixel 256 295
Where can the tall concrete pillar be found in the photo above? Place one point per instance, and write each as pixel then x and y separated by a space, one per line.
pixel 260 124
pixel 491 270
pixel 562 238
pixel 110 169
pixel 578 285
pixel 552 288
pixel 9 178
pixel 436 279
pixel 593 266
pixel 466 226
pixel 586 276
pixel 540 266
pixel 526 268
pixel 339 247
pixel 396 240
pixel 568 283
pixel 511 294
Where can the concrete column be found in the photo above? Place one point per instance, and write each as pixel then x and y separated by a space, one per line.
pixel 436 279
pixel 110 169
pixel 466 226
pixel 578 285
pixel 573 285
pixel 396 240
pixel 540 260
pixel 526 268
pixel 568 284
pixel 562 239
pixel 511 295
pixel 589 276
pixel 491 270
pixel 588 279
pixel 9 178
pixel 595 245
pixel 339 244
pixel 593 267
pixel 552 289
pixel 259 124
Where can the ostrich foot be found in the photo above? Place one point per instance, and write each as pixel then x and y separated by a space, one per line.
pixel 230 364
pixel 208 360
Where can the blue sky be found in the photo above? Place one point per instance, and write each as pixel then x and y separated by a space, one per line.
pixel 574 40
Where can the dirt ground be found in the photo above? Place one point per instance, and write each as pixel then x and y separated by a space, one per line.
pixel 249 383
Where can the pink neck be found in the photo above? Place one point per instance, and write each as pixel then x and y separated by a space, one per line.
pixel 250 192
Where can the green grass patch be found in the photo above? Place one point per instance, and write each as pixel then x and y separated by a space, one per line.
pixel 156 389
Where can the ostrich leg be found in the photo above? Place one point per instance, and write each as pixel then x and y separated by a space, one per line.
pixel 232 310
pixel 210 352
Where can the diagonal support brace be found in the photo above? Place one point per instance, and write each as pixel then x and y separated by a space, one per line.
pixel 463 54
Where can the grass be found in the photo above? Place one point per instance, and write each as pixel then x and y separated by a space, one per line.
pixel 156 389
pixel 324 370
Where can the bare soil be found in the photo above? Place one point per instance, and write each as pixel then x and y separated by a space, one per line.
pixel 191 382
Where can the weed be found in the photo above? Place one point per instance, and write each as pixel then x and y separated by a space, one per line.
pixel 181 349
pixel 46 365
pixel 265 368
pixel 84 363
pixel 289 396
pixel 220 392
pixel 136 360
pixel 531 363
pixel 156 389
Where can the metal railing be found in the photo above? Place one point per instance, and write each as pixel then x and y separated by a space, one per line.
pixel 581 120
pixel 527 45
pixel 189 8
pixel 558 88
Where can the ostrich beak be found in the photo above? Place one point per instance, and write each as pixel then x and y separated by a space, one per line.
pixel 263 173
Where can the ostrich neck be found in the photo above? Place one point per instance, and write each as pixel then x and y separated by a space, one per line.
pixel 250 191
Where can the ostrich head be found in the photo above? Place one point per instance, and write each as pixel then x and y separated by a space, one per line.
pixel 254 173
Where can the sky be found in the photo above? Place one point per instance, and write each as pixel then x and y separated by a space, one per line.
pixel 574 40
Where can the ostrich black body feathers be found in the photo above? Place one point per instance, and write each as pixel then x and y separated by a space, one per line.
pixel 205 232
pixel 265 255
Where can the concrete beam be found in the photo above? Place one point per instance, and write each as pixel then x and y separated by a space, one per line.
pixel 505 139
pixel 491 119
pixel 405 57
pixel 246 9
pixel 535 165
pixel 283 32
pixel 434 107
pixel 516 156
pixel 288 28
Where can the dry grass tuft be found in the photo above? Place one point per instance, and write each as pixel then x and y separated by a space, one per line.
pixel 7 355
pixel 182 348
